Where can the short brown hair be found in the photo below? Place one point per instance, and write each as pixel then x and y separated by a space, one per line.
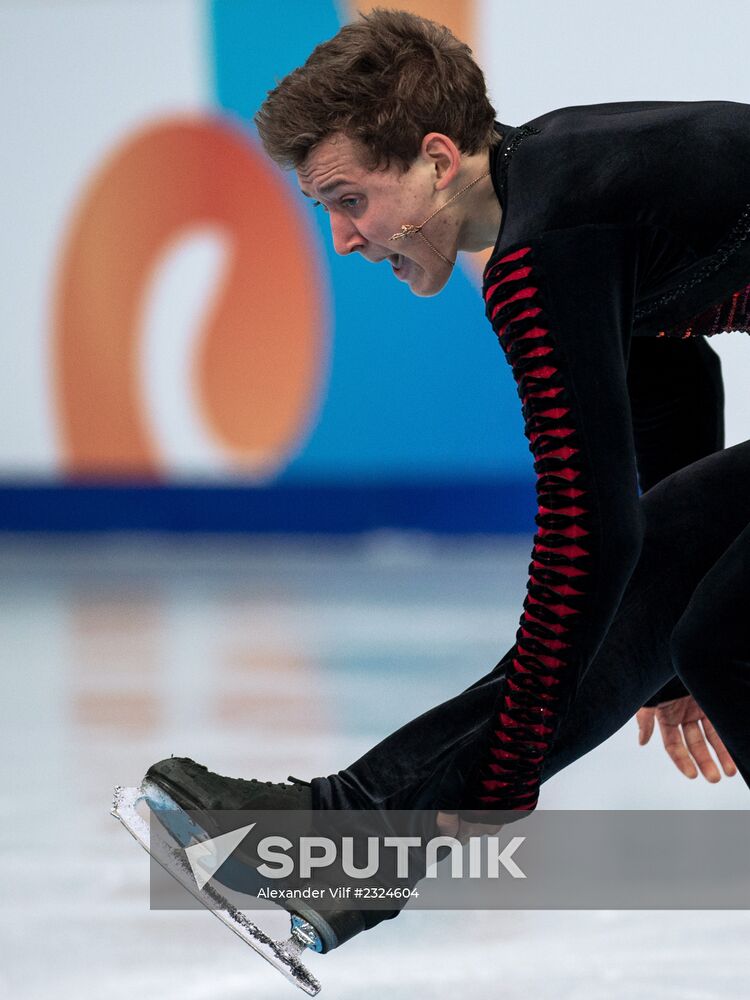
pixel 385 80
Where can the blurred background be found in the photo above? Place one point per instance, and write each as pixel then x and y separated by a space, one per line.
pixel 258 504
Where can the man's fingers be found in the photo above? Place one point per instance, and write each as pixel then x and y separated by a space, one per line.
pixel 725 758
pixel 450 825
pixel 698 747
pixel 688 746
pixel 645 719
pixel 675 747
pixel 468 830
pixel 447 824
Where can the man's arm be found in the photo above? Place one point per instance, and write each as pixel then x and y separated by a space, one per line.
pixel 677 404
pixel 561 306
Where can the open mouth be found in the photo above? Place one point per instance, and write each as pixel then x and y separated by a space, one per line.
pixel 397 262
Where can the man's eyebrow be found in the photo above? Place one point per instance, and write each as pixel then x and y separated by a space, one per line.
pixel 327 188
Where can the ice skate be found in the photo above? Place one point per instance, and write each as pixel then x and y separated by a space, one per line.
pixel 185 798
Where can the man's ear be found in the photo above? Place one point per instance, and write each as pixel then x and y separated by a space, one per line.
pixel 443 156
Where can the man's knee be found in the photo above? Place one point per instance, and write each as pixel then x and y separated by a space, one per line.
pixel 688 653
pixel 705 638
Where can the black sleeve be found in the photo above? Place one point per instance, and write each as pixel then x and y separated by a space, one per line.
pixel 561 306
pixel 677 402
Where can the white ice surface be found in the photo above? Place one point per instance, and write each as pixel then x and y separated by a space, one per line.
pixel 265 659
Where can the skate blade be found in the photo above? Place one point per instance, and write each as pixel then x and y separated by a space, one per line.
pixel 282 955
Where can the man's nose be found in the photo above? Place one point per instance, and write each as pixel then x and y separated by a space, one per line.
pixel 346 237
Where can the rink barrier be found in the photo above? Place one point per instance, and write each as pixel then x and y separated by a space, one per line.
pixel 474 507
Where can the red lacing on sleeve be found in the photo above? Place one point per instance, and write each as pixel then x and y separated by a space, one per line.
pixel 731 314
pixel 531 702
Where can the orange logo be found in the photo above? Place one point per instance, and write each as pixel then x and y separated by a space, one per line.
pixel 262 353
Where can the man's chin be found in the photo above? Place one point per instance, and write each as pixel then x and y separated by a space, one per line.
pixel 424 286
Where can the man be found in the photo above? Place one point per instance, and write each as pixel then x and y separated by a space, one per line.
pixel 390 131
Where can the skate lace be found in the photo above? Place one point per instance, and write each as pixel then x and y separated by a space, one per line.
pixel 279 784
pixel 529 706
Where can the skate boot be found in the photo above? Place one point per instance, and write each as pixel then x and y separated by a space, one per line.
pixel 190 802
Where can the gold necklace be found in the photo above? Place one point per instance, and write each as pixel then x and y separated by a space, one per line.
pixel 409 230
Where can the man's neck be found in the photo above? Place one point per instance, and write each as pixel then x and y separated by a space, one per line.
pixel 481 213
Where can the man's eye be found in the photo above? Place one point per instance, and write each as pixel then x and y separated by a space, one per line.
pixel 350 202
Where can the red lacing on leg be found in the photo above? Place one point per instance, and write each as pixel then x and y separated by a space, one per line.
pixel 529 708
pixel 731 314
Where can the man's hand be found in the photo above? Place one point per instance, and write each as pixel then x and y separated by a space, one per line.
pixel 451 825
pixel 685 731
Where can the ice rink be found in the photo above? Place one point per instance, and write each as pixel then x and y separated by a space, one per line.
pixel 261 659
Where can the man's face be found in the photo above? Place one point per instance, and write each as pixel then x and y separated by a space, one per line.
pixel 366 207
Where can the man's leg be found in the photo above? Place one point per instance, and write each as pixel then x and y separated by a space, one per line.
pixel 710 648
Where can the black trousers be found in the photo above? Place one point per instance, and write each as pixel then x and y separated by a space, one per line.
pixel 686 610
